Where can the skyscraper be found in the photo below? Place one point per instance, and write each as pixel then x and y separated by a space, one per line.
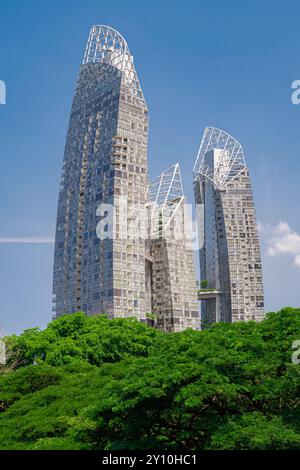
pixel 173 284
pixel 105 160
pixel 230 260
pixel 105 260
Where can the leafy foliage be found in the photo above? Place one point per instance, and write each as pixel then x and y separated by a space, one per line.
pixel 88 339
pixel 93 383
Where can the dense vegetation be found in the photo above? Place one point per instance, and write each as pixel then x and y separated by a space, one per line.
pixel 93 383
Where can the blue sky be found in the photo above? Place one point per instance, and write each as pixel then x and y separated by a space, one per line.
pixel 224 63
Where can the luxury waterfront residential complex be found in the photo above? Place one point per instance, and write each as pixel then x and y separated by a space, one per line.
pixel 106 259
pixel 230 260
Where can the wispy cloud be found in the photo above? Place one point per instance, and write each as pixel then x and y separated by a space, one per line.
pixel 281 239
pixel 297 261
pixel 30 240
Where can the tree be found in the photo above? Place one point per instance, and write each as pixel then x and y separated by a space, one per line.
pixel 78 337
pixel 118 384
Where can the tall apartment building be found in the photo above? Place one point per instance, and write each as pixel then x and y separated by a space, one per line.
pixel 102 264
pixel 105 159
pixel 173 286
pixel 230 259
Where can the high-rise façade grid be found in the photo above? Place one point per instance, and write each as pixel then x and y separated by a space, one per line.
pixel 173 293
pixel 105 164
pixel 230 259
pixel 105 158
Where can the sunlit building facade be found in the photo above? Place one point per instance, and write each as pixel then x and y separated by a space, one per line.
pixel 230 259
pixel 173 281
pixel 105 162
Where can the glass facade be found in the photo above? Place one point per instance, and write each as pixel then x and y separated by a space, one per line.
pixel 105 162
pixel 230 259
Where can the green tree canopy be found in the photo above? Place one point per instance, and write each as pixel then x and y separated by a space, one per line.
pixel 93 383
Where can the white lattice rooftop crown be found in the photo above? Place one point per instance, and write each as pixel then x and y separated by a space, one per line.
pixel 166 195
pixel 230 163
pixel 108 46
pixel 167 187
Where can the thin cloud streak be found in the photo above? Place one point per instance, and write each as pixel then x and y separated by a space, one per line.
pixel 27 240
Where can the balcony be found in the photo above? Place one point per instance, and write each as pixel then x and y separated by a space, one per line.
pixel 207 294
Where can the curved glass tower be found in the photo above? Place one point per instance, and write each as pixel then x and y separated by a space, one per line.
pixel 105 163
pixel 230 260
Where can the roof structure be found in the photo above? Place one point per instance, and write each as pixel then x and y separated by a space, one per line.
pixel 107 45
pixel 229 165
pixel 166 187
pixel 166 194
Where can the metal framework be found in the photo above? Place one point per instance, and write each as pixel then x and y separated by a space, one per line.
pixel 107 45
pixel 166 191
pixel 166 195
pixel 231 163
